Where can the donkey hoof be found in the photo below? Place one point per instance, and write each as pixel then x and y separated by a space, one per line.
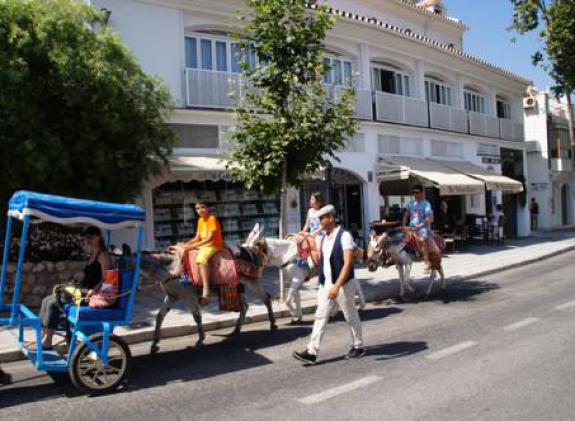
pixel 199 343
pixel 154 349
pixel 274 327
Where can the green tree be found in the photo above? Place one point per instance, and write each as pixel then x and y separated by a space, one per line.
pixel 286 127
pixel 78 116
pixel 555 22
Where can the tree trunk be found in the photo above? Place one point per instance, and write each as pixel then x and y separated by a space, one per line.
pixel 283 222
pixel 571 124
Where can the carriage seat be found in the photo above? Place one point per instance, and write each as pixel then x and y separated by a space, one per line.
pixel 116 313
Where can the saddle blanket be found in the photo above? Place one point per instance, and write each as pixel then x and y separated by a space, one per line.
pixel 225 269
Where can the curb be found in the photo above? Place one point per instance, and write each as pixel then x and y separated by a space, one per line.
pixel 14 354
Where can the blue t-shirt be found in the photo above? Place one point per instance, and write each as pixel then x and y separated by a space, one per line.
pixel 418 211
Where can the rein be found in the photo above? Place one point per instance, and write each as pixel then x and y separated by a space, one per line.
pixel 300 249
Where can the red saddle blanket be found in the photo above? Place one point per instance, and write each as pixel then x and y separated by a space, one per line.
pixel 224 268
pixel 434 257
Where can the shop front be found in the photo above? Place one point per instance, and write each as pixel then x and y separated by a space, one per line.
pixel 457 191
pixel 193 179
pixel 343 189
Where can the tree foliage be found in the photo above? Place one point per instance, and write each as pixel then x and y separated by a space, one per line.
pixel 286 125
pixel 78 116
pixel 555 22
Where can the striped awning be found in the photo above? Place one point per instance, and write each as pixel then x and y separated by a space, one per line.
pixel 492 181
pixel 449 181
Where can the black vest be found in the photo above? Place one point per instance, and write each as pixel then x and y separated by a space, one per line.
pixel 335 261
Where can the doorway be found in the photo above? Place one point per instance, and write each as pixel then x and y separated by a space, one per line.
pixel 565 220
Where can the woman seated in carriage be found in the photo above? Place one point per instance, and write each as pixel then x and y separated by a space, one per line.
pixel 94 274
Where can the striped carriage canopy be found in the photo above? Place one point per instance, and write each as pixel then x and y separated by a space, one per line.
pixel 67 210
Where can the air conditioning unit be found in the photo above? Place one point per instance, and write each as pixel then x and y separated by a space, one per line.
pixel 529 102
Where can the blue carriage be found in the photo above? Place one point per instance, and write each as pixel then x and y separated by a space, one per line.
pixel 96 359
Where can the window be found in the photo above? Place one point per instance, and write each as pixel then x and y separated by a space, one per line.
pixel 392 81
pixel 221 56
pixel 340 72
pixel 196 136
pixel 444 149
pixel 191 52
pixel 396 145
pixel 503 109
pixel 216 53
pixel 474 102
pixel 437 92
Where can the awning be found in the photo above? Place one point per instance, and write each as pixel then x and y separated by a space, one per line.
pixel 492 181
pixel 199 168
pixel 436 173
pixel 67 210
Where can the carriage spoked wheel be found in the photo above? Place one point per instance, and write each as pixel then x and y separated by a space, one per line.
pixel 90 375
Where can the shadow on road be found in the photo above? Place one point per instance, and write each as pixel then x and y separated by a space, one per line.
pixel 462 291
pixel 370 314
pixel 396 349
pixel 183 365
pixel 386 351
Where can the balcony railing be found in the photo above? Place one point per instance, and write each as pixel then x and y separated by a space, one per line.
pixel 210 89
pixel 363 107
pixel 449 118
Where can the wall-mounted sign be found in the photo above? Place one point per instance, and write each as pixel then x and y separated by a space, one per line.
pixel 490 160
pixel 484 149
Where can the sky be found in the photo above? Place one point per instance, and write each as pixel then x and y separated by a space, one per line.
pixel 489 39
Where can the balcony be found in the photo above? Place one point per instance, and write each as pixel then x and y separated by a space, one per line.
pixel 363 107
pixel 219 90
pixel 444 117
pixel 211 90
pixel 400 109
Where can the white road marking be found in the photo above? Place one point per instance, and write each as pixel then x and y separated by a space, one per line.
pixel 521 323
pixel 345 388
pixel 451 350
pixel 566 306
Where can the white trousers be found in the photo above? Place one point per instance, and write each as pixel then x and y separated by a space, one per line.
pixel 293 299
pixel 345 299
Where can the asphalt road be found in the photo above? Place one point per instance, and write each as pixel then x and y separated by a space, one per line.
pixel 497 348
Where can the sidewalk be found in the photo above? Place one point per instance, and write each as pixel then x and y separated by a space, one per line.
pixel 466 263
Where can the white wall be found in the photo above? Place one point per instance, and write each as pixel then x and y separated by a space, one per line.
pixel 155 35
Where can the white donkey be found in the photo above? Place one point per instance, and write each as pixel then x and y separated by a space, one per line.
pixel 283 254
pixel 391 249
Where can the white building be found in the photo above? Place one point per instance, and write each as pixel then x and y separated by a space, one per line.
pixel 549 159
pixel 420 98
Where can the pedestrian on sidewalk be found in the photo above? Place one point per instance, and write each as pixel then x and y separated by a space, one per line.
pixel 335 278
pixel 534 212
pixel 5 378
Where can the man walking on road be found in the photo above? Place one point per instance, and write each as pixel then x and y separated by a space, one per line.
pixel 335 277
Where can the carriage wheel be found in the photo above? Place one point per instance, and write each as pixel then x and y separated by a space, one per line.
pixel 89 374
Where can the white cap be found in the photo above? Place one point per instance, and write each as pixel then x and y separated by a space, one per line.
pixel 326 210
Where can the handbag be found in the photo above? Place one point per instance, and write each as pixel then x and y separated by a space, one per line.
pixel 107 295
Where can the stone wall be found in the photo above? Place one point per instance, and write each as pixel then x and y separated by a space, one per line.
pixel 39 279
